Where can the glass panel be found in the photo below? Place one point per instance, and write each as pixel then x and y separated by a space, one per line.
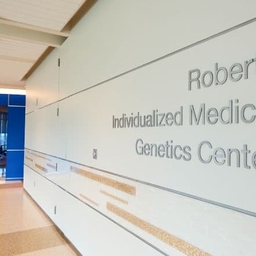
pixel 3 139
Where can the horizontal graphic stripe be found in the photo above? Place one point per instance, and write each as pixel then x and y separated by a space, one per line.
pixel 106 181
pixel 167 189
pixel 159 233
pixel 41 167
pixel 30 159
pixel 114 197
pixel 89 200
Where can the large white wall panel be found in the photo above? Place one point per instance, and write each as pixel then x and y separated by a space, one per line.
pixel 199 200
pixel 93 233
pixel 116 36
pixel 44 132
pixel 163 86
pixel 30 131
pixel 35 184
pixel 43 85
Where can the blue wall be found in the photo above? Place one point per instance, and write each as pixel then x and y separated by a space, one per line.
pixel 15 135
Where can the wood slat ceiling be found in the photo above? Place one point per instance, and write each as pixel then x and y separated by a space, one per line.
pixel 51 14
pixel 29 30
pixel 20 51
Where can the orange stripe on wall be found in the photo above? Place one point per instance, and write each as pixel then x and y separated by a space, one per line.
pixel 30 159
pixel 159 233
pixel 114 197
pixel 89 200
pixel 106 181
pixel 41 167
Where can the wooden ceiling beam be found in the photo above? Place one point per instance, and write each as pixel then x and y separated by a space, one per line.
pixel 37 63
pixel 84 8
pixel 32 34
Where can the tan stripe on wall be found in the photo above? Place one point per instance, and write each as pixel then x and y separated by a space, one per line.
pixel 159 233
pixel 30 159
pixel 114 197
pixel 89 200
pixel 106 181
pixel 41 167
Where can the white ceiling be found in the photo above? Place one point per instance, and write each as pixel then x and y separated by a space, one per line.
pixel 14 49
pixel 27 29
pixel 51 14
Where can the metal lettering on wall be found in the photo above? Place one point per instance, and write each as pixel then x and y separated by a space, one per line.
pixel 206 115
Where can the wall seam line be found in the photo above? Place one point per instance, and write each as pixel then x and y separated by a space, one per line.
pixel 226 31
pixel 200 199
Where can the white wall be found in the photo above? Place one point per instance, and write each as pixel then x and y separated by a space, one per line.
pixel 176 207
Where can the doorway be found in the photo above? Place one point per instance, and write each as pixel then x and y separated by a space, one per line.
pixel 3 140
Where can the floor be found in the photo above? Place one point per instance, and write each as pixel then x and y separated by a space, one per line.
pixel 24 229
